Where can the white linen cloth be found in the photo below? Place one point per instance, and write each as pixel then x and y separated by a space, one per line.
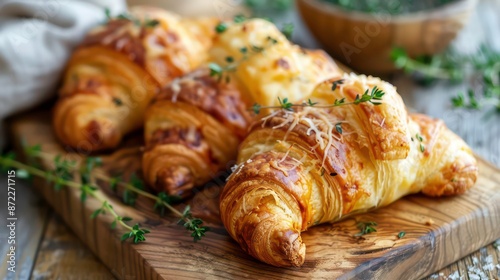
pixel 36 39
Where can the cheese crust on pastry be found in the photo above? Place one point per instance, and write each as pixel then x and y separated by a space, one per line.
pixel 270 66
pixel 298 169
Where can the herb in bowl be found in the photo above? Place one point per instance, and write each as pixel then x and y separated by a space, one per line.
pixel 393 7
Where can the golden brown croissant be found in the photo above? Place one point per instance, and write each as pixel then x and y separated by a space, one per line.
pixel 192 130
pixel 316 165
pixel 174 164
pixel 267 64
pixel 118 68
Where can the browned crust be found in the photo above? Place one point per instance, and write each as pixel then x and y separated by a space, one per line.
pixel 454 178
pixel 279 172
pixel 261 187
pixel 264 166
pixel 175 180
pixel 192 139
pixel 339 162
pixel 220 99
pixel 117 35
pixel 389 139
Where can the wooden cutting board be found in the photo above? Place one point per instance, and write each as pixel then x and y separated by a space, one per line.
pixel 438 231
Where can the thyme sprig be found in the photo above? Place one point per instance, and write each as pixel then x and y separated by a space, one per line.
pixel 481 70
pixel 162 203
pixel 259 6
pixel 63 176
pixel 134 232
pixel 373 96
pixel 392 7
pixel 193 224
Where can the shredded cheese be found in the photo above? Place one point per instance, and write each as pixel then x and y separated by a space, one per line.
pixel 176 88
pixel 319 122
pixel 286 154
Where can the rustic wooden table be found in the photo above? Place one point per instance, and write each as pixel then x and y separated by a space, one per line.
pixel 47 249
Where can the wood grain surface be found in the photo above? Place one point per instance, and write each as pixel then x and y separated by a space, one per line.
pixel 438 231
pixel 61 256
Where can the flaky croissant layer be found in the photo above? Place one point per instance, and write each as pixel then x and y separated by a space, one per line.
pixel 118 68
pixel 192 130
pixel 298 169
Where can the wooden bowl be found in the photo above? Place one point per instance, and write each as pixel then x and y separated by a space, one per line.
pixel 364 41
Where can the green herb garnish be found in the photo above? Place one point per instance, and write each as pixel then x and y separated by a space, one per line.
pixel 374 97
pixel 193 224
pixel 420 139
pixel 117 101
pixel 338 127
pixel 287 30
pixel 239 18
pixel 151 23
pixel 284 104
pixel 310 103
pixel 366 228
pixel 64 175
pixel 336 83
pixel 220 72
pixel 221 27
pixel 392 7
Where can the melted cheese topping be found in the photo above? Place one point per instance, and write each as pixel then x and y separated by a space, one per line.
pixel 281 69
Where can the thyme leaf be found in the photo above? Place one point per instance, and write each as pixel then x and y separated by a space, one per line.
pixel 338 127
pixel 287 30
pixel 336 83
pixel 366 228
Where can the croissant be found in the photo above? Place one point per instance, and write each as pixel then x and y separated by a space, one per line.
pixel 193 128
pixel 118 69
pixel 315 165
